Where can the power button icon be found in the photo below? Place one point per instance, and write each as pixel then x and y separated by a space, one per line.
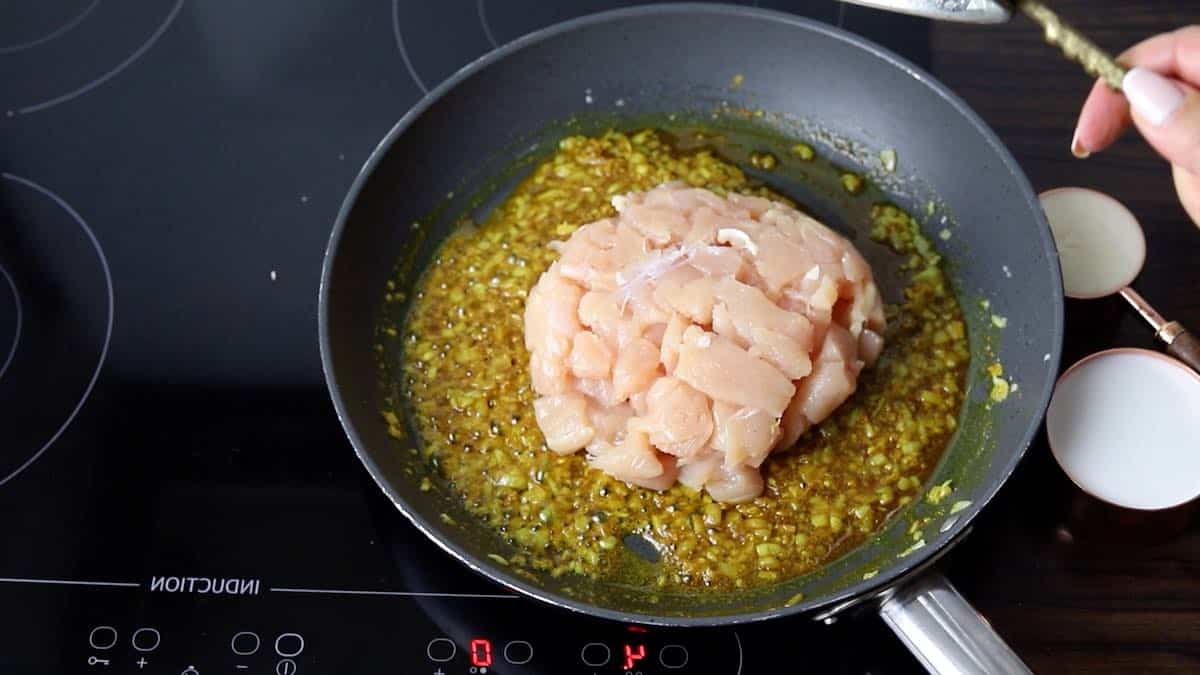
pixel 285 667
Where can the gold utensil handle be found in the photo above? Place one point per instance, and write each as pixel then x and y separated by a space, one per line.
pixel 1073 44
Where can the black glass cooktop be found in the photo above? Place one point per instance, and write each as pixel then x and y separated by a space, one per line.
pixel 176 495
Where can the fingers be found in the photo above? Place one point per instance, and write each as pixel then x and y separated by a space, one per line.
pixel 1175 54
pixel 1104 117
pixel 1167 113
pixel 1105 114
pixel 1160 96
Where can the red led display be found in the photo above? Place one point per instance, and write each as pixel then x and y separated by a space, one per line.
pixel 633 655
pixel 481 652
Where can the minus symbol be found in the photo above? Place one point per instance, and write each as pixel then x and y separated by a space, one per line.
pixel 241 667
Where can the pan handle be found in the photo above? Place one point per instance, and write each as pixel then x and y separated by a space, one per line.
pixel 945 632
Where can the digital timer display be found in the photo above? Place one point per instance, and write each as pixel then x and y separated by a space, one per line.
pixel 633 654
pixel 481 652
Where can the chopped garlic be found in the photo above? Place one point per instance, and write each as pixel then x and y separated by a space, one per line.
pixel 939 492
pixel 1000 389
pixel 888 157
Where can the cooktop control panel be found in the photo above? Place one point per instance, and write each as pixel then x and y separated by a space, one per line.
pixel 124 628
pixel 135 648
pixel 92 627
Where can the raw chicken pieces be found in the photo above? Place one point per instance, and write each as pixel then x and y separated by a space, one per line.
pixel 692 335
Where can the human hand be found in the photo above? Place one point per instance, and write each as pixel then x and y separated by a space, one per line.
pixel 1162 100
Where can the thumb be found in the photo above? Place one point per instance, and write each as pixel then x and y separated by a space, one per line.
pixel 1167 112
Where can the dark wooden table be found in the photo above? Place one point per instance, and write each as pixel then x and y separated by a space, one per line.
pixel 1073 585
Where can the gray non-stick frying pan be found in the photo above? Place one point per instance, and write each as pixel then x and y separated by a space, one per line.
pixel 851 99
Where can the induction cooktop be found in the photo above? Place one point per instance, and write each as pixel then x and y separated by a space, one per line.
pixel 176 494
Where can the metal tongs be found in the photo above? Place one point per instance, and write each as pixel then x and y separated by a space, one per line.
pixel 1073 44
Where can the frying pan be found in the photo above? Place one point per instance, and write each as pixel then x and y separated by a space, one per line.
pixel 850 98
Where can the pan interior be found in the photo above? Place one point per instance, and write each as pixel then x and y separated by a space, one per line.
pixel 454 159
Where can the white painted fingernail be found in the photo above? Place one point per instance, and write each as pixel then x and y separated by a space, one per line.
pixel 1077 148
pixel 1152 96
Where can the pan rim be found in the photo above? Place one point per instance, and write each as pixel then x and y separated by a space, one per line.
pixel 858 591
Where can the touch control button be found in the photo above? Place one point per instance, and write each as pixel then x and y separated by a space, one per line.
pixel 289 644
pixel 102 637
pixel 146 639
pixel 285 667
pixel 595 654
pixel 518 652
pixel 440 650
pixel 245 643
pixel 673 656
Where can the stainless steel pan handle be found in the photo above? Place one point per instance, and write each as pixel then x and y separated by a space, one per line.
pixel 944 632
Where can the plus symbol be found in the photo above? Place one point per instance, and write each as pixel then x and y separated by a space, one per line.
pixel 141 663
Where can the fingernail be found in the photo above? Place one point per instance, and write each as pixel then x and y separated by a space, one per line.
pixel 1151 95
pixel 1077 148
